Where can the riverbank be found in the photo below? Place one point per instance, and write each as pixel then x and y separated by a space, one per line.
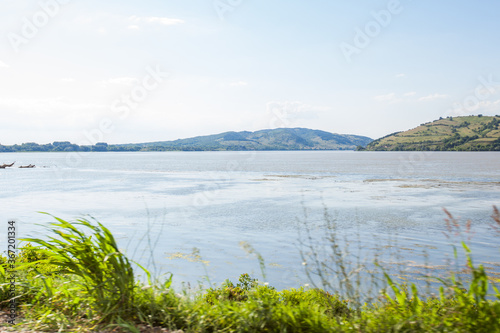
pixel 80 281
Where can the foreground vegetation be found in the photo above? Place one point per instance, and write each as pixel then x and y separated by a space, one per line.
pixel 476 133
pixel 78 280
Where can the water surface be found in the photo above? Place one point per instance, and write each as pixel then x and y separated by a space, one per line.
pixel 212 201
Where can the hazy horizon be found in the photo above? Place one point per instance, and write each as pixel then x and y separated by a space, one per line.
pixel 264 129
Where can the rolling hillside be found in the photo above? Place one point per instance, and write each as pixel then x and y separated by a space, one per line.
pixel 272 139
pixel 451 133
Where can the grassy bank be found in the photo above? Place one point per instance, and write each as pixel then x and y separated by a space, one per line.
pixel 78 280
pixel 469 133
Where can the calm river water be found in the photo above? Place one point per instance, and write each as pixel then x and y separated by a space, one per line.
pixel 188 212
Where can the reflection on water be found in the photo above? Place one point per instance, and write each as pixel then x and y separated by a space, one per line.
pixel 180 202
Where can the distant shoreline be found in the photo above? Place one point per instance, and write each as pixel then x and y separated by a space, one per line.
pixel 267 150
pixel 271 139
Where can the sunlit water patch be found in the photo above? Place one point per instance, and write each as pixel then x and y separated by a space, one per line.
pixel 188 212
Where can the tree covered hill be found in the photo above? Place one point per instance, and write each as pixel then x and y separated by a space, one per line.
pixel 271 139
pixel 451 133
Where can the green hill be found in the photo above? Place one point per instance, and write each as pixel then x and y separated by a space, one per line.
pixel 451 133
pixel 271 139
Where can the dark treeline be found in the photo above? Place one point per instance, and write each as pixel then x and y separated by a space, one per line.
pixel 270 139
pixel 64 146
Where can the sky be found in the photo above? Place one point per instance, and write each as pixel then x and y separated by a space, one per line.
pixel 153 70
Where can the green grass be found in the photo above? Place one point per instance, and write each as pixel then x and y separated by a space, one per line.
pixel 455 133
pixel 78 280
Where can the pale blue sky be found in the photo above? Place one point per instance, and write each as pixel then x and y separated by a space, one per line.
pixel 259 64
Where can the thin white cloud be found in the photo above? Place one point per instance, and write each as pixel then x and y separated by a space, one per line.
pixel 488 107
pixel 386 98
pixel 133 27
pixel 3 64
pixel 486 91
pixel 67 80
pixel 54 105
pixel 411 93
pixel 491 106
pixel 51 113
pixel 125 81
pixel 295 107
pixel 156 19
pixel 291 114
pixel 47 120
pixel 164 20
pixel 400 75
pixel 432 97
pixel 238 84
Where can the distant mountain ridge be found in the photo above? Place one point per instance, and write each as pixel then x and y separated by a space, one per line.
pixel 445 134
pixel 269 139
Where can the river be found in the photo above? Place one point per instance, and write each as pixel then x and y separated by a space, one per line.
pixel 188 212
